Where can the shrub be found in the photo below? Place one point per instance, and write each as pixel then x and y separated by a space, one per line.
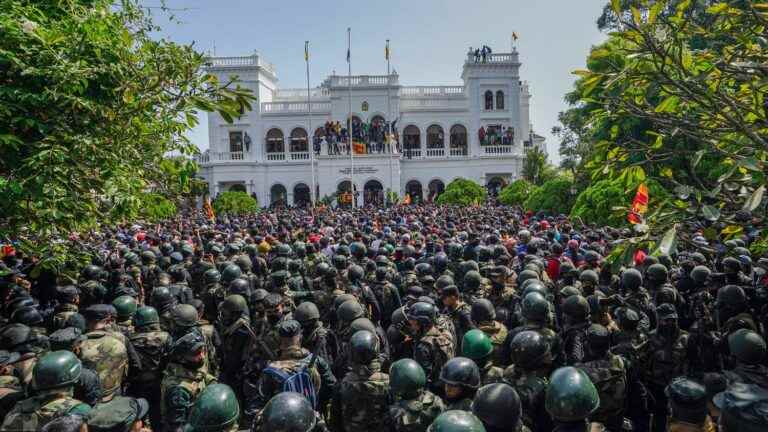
pixel 235 203
pixel 595 204
pixel 516 193
pixel 553 196
pixel 155 207
pixel 462 192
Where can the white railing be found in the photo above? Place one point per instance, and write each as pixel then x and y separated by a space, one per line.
pixel 298 93
pixel 242 61
pixel 275 156
pixel 210 156
pixel 412 153
pixel 435 152
pixel 362 80
pixel 294 107
pixel 432 91
pixel 433 104
pixel 458 151
pixel 300 156
pixel 497 150
pixel 494 58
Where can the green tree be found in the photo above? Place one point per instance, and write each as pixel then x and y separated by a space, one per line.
pixel 696 82
pixel 536 167
pixel 90 103
pixel 462 192
pixel 554 196
pixel 235 203
pixel 516 192
pixel 607 202
pixel 156 207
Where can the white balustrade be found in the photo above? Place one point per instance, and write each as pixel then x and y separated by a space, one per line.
pixel 294 107
pixel 497 150
pixel 275 156
pixel 433 104
pixel 298 93
pixel 299 156
pixel 431 91
pixel 362 80
pixel 412 153
pixel 435 152
pixel 458 151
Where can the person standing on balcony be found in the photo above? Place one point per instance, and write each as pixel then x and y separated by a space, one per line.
pixel 481 135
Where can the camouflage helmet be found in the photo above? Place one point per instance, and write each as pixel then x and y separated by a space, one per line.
pixel 234 306
pixel 289 412
pixel 184 315
pixel 355 273
pixel 731 295
pixel 230 273
pixel 382 273
pixel 525 275
pixel 498 406
pixel 211 276
pixel 472 280
pixel 570 395
pixel 456 421
pixel 444 281
pixel 148 257
pixel 146 315
pixel 244 262
pixel 349 311
pixel 476 345
pixel 278 264
pixel 657 273
pixel 461 372
pixel 321 269
pixel 589 276
pixel 216 409
pixel 747 346
pixel 358 249
pixel 576 307
pixel 631 279
pixel 529 349
pixel 283 250
pixel 700 274
pixel 339 261
pixel 279 278
pixel 406 378
pixel 56 369
pixel 125 307
pixel 364 347
pixel 423 313
pixel 482 310
pixel 161 297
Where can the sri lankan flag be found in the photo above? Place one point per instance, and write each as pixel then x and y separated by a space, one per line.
pixel 209 209
pixel 639 205
pixel 358 147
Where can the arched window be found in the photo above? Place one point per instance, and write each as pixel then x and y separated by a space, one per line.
pixel 413 189
pixel 435 137
pixel 436 187
pixel 412 137
pixel 275 141
pixel 235 141
pixel 458 140
pixel 488 100
pixel 277 194
pixel 301 195
pixel 299 141
pixel 499 100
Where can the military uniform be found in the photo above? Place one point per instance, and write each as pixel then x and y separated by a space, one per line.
pixel 363 395
pixel 432 350
pixel 31 414
pixel 609 376
pixel 497 332
pixel 153 347
pixel 180 388
pixel 415 415
pixel 61 314
pixel 107 355
pixel 531 386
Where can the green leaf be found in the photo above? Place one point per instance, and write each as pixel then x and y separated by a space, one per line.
pixel 668 241
pixel 668 105
pixel 754 201
pixel 717 8
pixel 616 6
pixel 636 15
pixel 654 12
pixel 711 213
pixel 697 158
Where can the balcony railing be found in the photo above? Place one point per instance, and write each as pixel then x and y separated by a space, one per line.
pixel 301 94
pixel 494 58
pixel 433 104
pixel 209 156
pixel 363 80
pixel 497 150
pixel 435 152
pixel 294 107
pixel 431 91
pixel 299 156
pixel 275 156
pixel 458 151
pixel 412 153
pixel 243 61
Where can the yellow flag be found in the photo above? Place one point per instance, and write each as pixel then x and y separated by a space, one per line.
pixel 306 51
pixel 386 50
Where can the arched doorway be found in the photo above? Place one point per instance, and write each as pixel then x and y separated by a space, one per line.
pixel 413 189
pixel 344 194
pixel 458 140
pixel 301 196
pixel 435 137
pixel 277 195
pixel 495 185
pixel 373 193
pixel 299 141
pixel 436 187
pixel 357 130
pixel 376 133
pixel 412 141
pixel 275 141
pixel 237 188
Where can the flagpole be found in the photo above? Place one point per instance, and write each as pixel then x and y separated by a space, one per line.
pixel 349 119
pixel 388 134
pixel 311 138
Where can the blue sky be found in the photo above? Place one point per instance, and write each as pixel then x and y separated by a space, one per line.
pixel 429 39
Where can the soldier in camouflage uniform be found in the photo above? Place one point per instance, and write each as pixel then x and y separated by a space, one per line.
pixel 484 317
pixel 458 311
pixel 532 364
pixel 414 407
pixel 69 298
pixel 105 351
pixel 461 378
pixel 163 301
pixel 387 295
pixel 184 379
pixel 91 289
pixel 153 346
pixel 217 408
pixel 363 393
pixel 498 407
pixel 432 348
pixel 125 306
pixel 237 337
pixel 213 294
pixel 53 378
pixel 571 399
pixel 477 346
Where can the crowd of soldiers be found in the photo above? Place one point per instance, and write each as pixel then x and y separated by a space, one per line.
pixel 412 318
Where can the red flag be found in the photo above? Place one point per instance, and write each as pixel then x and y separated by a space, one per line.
pixel 209 209
pixel 639 205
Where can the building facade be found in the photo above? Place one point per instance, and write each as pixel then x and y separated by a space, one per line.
pixel 410 140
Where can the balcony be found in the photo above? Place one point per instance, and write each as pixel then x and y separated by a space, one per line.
pixel 275 157
pixel 499 58
pixel 435 152
pixel 209 157
pixel 275 108
pixel 431 91
pixel 458 151
pixel 362 80
pixel 239 62
pixel 298 94
pixel 497 150
pixel 301 156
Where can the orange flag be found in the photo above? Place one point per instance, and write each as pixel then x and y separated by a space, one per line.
pixel 639 205
pixel 407 199
pixel 209 209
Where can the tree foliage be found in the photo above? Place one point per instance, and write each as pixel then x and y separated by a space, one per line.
pixel 516 192
pixel 553 197
pixel 156 207
pixel 235 203
pixel 677 95
pixel 536 167
pixel 607 202
pixel 462 192
pixel 89 105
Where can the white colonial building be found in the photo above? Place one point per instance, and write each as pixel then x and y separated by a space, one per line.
pixel 477 130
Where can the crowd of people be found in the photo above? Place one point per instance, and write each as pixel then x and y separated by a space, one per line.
pixel 370 137
pixel 410 318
